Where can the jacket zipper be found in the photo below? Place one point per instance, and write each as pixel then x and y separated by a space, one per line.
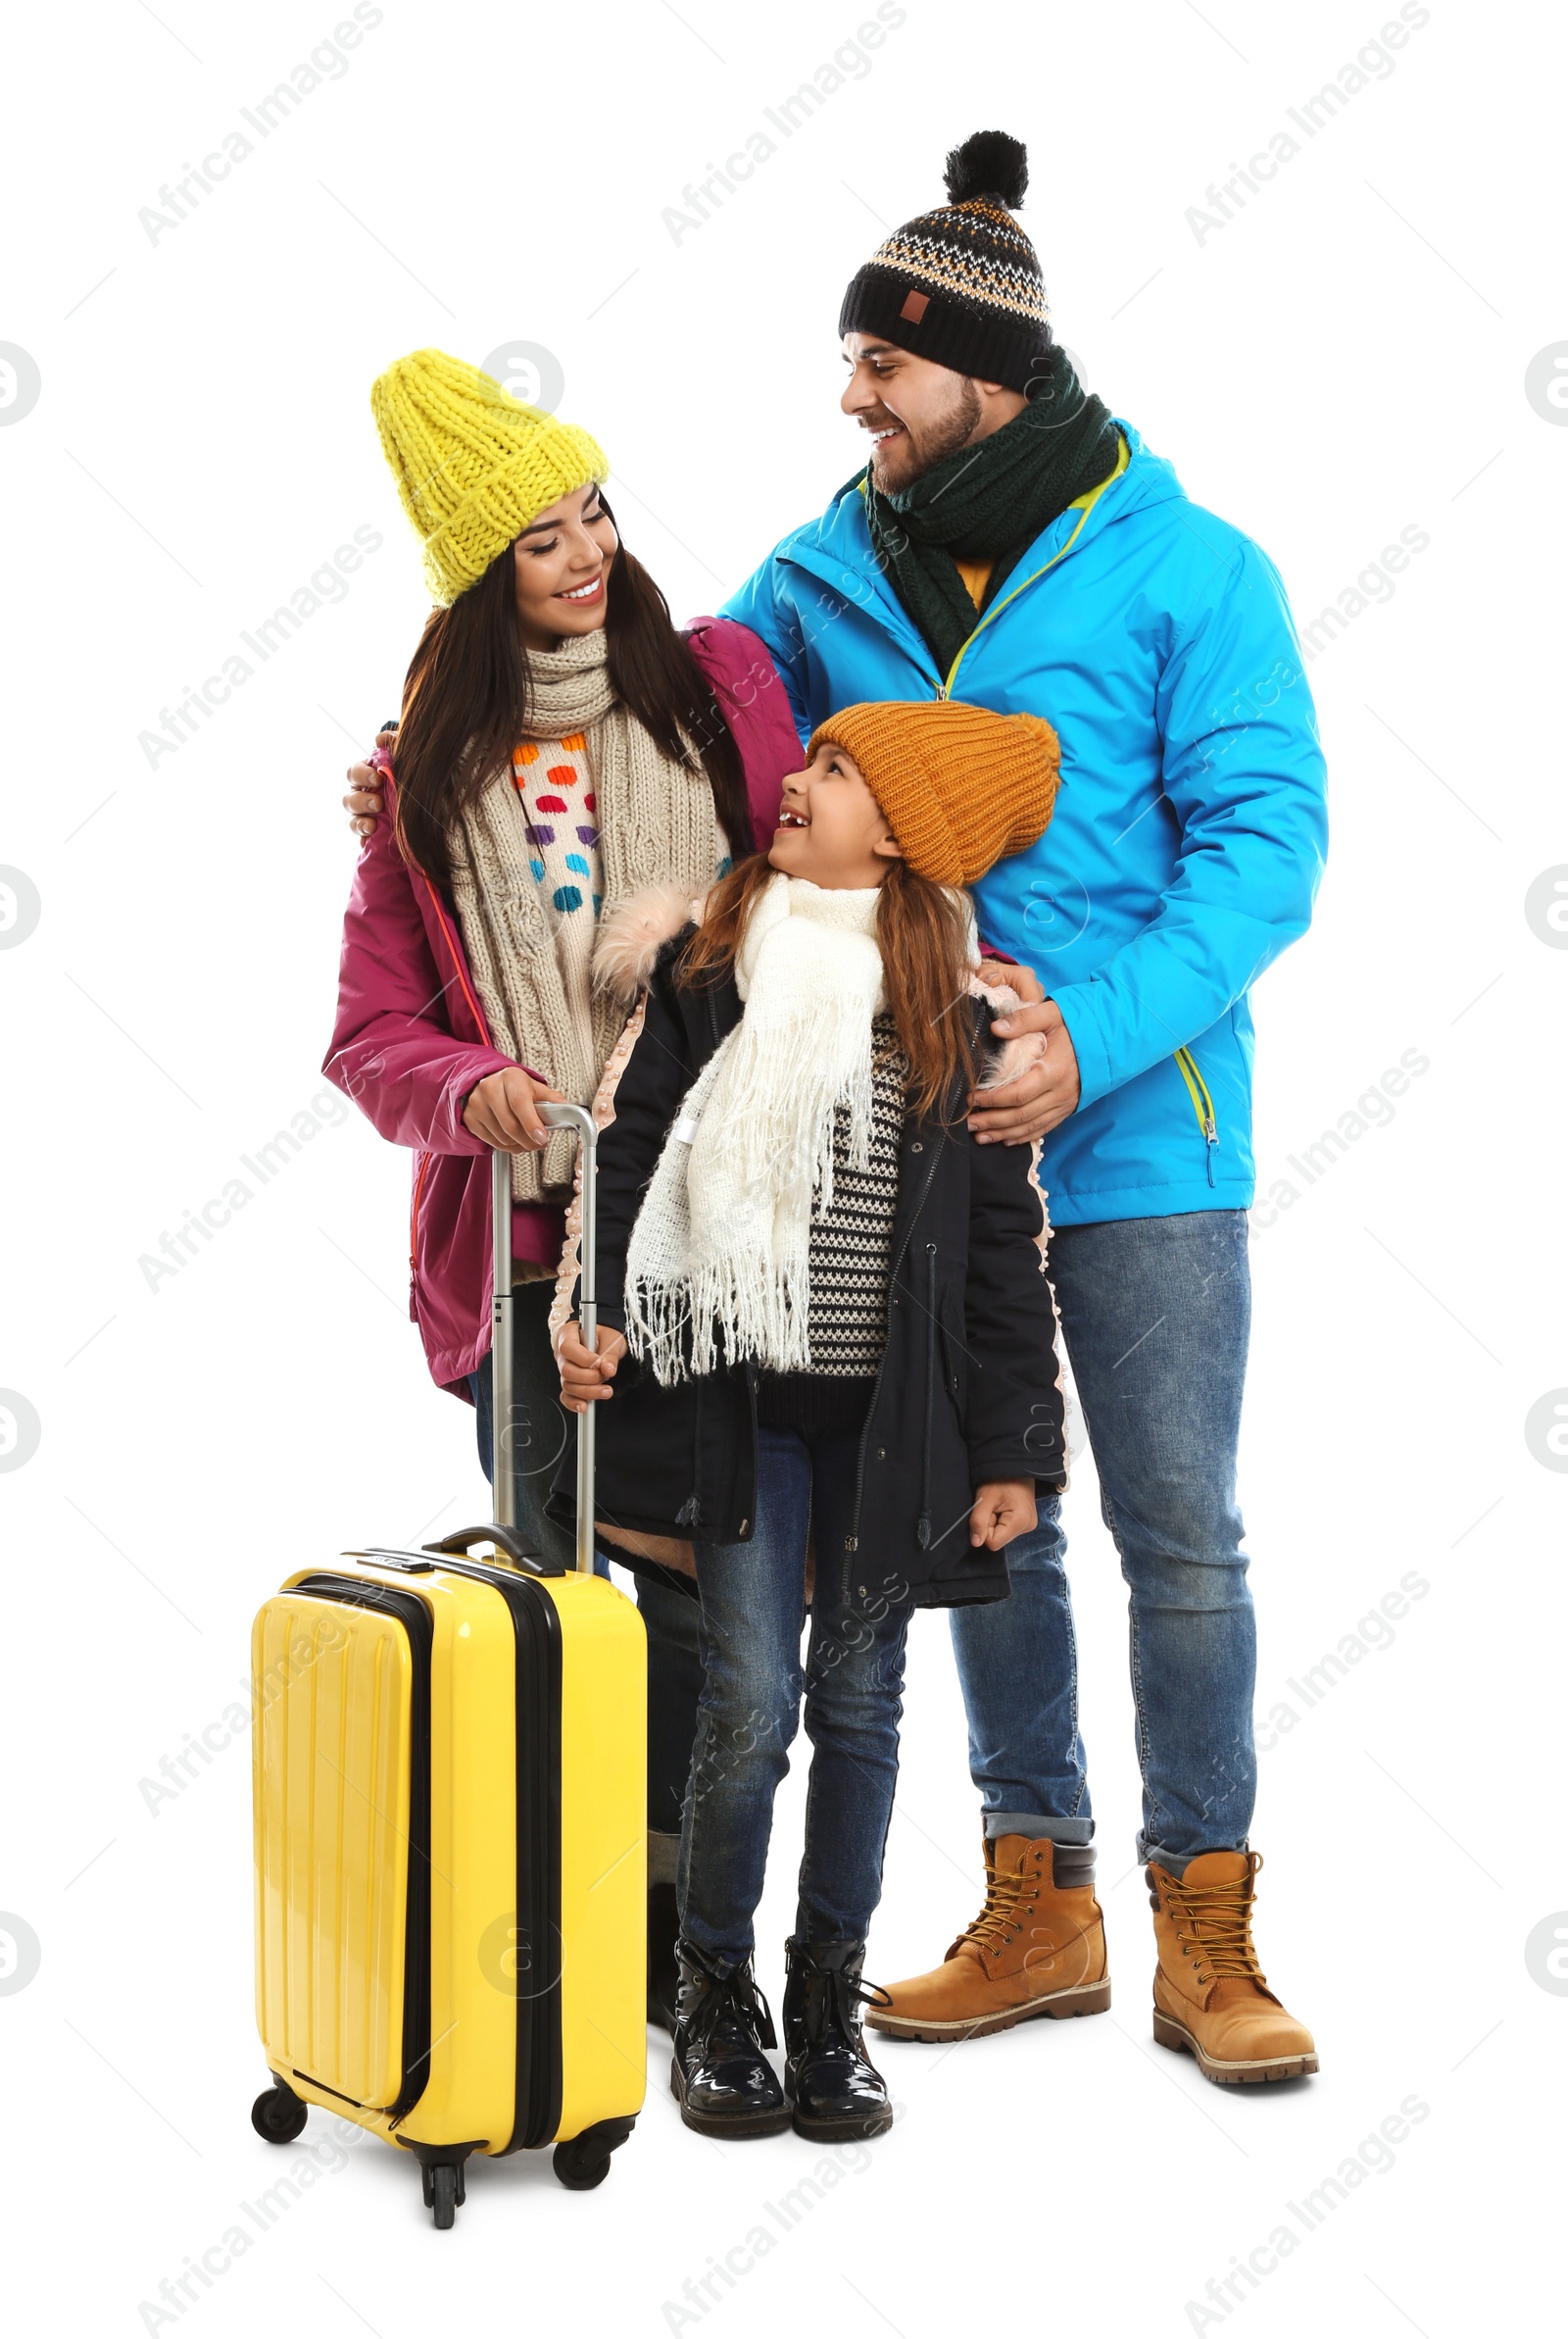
pixel 1185 1061
pixel 852 1541
pixel 1203 1103
pixel 923 1532
pixel 945 689
pixel 413 1220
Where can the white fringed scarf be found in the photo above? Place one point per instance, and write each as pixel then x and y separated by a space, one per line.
pixel 721 1240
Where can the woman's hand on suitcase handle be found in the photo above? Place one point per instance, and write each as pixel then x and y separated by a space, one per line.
pixel 364 802
pixel 500 1111
pixel 583 1375
pixel 1003 1509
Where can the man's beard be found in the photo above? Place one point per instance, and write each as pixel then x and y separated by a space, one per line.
pixel 938 439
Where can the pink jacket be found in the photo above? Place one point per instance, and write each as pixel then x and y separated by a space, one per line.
pixel 411 1041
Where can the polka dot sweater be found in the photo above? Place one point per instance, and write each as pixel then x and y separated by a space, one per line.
pixel 556 787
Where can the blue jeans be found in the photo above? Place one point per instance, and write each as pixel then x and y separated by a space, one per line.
pixel 674 1667
pixel 1156 1314
pixel 752 1609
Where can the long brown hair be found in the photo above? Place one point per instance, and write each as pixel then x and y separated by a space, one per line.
pixel 467 694
pixel 923 933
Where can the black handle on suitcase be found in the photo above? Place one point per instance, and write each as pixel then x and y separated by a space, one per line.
pixel 502 1532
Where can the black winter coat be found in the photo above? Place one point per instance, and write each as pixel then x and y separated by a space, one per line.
pixel 968 1390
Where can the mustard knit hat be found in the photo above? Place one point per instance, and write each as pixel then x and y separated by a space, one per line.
pixel 473 465
pixel 960 785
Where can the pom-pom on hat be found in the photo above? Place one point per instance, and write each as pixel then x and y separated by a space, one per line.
pixel 473 465
pixel 960 785
pixel 961 284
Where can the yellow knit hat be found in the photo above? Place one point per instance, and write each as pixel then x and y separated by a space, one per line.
pixel 960 785
pixel 473 465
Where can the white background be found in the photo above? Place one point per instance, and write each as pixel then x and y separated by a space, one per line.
pixel 1343 359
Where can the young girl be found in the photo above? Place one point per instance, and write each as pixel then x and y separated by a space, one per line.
pixel 562 747
pixel 840 1337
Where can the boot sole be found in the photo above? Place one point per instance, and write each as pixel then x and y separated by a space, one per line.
pixel 848 2129
pixel 1230 2074
pixel 717 2123
pixel 1088 1998
pixel 843 2131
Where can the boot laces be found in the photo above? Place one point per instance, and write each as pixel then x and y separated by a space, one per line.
pixel 1009 1892
pixel 731 2012
pixel 831 2014
pixel 1214 1925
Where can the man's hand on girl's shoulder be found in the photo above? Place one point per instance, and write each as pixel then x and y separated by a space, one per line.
pixel 363 801
pixel 1005 975
pixel 1042 1097
pixel 1004 1510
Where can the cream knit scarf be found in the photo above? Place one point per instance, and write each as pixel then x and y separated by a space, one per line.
pixel 721 1242
pixel 655 820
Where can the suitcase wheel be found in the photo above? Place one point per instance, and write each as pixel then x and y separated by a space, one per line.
pixel 585 2161
pixel 278 2115
pixel 428 2177
pixel 444 2182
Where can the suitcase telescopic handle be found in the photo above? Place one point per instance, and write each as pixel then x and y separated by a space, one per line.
pixel 504 1480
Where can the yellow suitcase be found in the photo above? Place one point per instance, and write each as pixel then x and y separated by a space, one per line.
pixel 450 1759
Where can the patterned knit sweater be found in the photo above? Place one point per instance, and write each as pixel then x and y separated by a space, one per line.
pixel 555 785
pixel 849 1262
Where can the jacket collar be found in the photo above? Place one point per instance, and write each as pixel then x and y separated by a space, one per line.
pixel 837 548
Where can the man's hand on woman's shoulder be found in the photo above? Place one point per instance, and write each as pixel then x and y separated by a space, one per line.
pixel 364 802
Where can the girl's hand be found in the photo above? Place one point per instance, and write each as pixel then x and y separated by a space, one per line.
pixel 1003 1509
pixel 501 1113
pixel 363 799
pixel 583 1375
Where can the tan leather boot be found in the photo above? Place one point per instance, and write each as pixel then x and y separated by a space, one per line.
pixel 1210 1998
pixel 1036 1948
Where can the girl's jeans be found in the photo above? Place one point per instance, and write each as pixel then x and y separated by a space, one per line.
pixel 1156 1314
pixel 752 1609
pixel 674 1668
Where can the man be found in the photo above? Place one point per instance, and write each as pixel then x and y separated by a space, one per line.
pixel 1014 545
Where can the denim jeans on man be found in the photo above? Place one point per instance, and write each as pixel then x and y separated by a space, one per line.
pixel 1155 1314
pixel 753 1607
pixel 675 1667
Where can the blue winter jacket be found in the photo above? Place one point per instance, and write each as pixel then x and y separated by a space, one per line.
pixel 1190 831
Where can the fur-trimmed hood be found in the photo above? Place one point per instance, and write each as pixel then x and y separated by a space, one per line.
pixel 631 936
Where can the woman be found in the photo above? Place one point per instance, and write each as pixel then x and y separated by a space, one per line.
pixel 562 747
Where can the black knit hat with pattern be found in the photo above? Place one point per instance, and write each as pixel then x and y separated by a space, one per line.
pixel 961 285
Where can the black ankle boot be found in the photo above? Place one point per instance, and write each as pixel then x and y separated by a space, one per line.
pixel 720 2077
pixel 836 2091
pixel 663 1970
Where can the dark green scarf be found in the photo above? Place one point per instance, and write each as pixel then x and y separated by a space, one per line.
pixel 989 502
